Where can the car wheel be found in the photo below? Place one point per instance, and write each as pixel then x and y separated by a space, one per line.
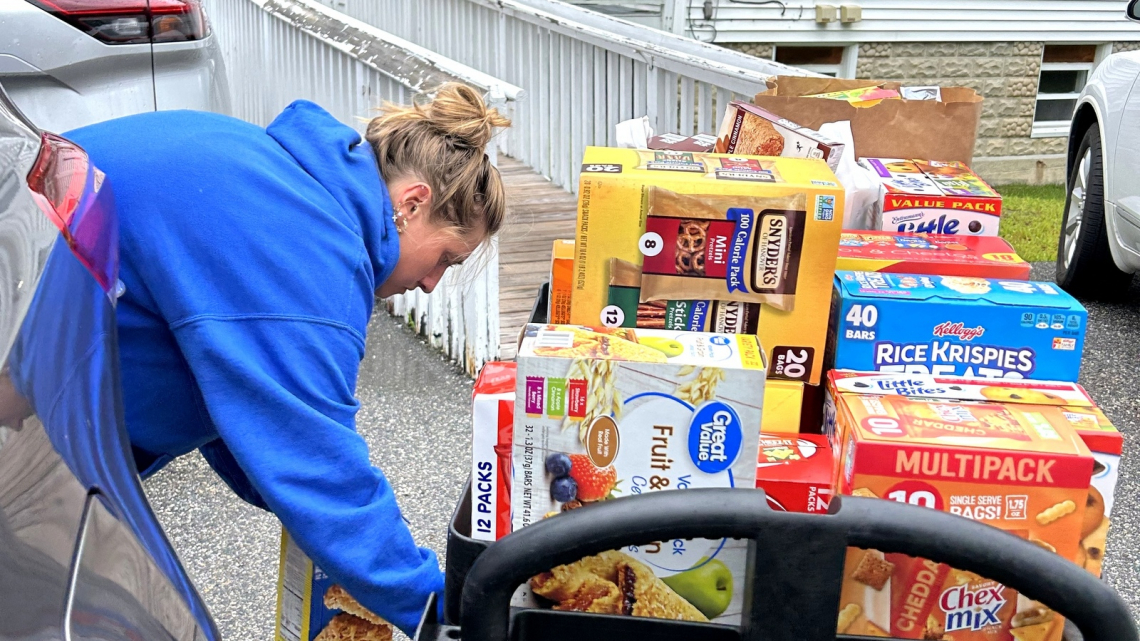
pixel 1084 261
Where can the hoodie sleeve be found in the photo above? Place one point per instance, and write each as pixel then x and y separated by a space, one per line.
pixel 281 392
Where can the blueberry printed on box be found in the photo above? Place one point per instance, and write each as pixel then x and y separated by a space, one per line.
pixel 955 326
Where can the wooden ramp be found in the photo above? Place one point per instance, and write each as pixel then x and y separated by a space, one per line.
pixel 540 213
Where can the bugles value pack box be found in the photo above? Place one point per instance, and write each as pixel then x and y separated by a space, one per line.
pixel 620 412
pixel 796 472
pixel 955 326
pixel 1021 468
pixel 708 227
pixel 933 197
pixel 940 254
pixel 492 426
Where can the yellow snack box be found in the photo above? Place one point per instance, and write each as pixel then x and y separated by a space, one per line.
pixel 712 227
pixel 783 403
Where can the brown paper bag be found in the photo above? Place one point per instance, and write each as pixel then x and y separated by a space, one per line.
pixel 923 129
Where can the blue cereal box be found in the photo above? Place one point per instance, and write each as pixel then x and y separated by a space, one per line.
pixel 955 326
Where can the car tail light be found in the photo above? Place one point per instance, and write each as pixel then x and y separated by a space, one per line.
pixel 132 21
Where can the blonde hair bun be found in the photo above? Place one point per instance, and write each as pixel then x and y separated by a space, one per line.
pixel 459 112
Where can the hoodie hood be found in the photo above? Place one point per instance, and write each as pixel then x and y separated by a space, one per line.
pixel 337 157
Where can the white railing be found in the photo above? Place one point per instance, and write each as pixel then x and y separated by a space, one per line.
pixel 277 51
pixel 583 71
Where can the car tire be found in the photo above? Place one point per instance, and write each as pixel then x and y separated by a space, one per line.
pixel 1084 261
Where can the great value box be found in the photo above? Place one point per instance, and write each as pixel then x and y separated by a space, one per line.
pixel 492 425
pixel 1018 467
pixel 955 325
pixel 796 472
pixel 709 227
pixel 619 412
pixel 936 254
pixel 933 197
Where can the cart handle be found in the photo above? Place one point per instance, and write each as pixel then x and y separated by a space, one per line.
pixel 796 559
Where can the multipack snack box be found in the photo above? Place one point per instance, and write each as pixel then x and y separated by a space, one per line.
pixel 1018 467
pixel 707 227
pixel 935 254
pixel 955 326
pixel 748 130
pixel 607 413
pixel 492 427
pixel 561 281
pixel 703 143
pixel 796 472
pixel 933 197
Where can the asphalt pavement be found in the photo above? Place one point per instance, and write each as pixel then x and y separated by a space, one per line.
pixel 415 416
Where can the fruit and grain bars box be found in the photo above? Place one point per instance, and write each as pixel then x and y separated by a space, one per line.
pixel 933 197
pixel 707 227
pixel 310 607
pixel 492 424
pixel 561 281
pixel 955 326
pixel 748 130
pixel 1077 408
pixel 621 412
pixel 1021 468
pixel 796 472
pixel 941 254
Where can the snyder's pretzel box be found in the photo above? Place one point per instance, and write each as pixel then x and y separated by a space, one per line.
pixel 955 326
pixel 708 227
pixel 620 412
pixel 492 425
pixel 933 197
pixel 748 130
pixel 940 254
pixel 1020 468
pixel 796 472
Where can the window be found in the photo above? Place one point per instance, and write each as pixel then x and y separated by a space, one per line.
pixel 837 62
pixel 1064 71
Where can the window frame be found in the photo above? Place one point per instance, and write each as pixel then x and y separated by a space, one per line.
pixel 1060 128
pixel 844 69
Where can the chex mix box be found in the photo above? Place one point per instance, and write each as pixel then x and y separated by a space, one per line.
pixel 1018 467
pixel 933 197
pixel 620 412
pixel 940 254
pixel 796 472
pixel 955 325
pixel 492 426
pixel 673 226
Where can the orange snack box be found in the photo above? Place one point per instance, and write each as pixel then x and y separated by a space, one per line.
pixel 561 282
pixel 1019 467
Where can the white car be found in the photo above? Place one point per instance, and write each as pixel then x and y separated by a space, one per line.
pixel 1099 248
pixel 70 63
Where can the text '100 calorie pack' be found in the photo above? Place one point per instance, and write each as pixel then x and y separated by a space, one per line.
pixel 985 456
pixel 955 326
pixel 708 242
pixel 619 412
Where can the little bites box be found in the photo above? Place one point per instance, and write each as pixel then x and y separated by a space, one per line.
pixel 933 197
pixel 943 255
pixel 955 326
pixel 796 472
pixel 492 426
pixel 611 413
pixel 782 227
pixel 1018 468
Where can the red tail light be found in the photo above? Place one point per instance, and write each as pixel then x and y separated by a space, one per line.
pixel 58 178
pixel 132 21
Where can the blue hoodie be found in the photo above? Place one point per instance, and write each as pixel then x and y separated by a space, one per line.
pixel 250 258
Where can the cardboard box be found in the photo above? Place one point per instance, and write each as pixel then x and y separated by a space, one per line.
pixel 561 281
pixel 933 197
pixel 783 407
pixel 1017 467
pixel 703 143
pixel 612 222
pixel 797 473
pixel 955 326
pixel 492 426
pixel 748 130
pixel 622 413
pixel 936 254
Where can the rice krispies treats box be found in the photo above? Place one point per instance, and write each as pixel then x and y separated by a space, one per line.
pixel 492 426
pixel 936 254
pixel 1020 468
pixel 955 326
pixel 712 227
pixel 933 197
pixel 608 413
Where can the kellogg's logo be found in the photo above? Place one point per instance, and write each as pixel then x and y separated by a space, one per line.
pixel 972 609
pixel 714 437
pixel 958 330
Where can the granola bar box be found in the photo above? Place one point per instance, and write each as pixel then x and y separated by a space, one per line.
pixel 709 227
pixel 1019 467
pixel 933 197
pixel 941 254
pixel 955 326
pixel 748 130
pixel 619 412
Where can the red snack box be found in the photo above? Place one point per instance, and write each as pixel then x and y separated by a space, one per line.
pixel 935 254
pixel 797 472
pixel 492 431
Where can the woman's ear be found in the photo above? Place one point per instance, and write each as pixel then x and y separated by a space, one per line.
pixel 413 198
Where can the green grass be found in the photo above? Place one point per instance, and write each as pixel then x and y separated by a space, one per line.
pixel 1031 219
